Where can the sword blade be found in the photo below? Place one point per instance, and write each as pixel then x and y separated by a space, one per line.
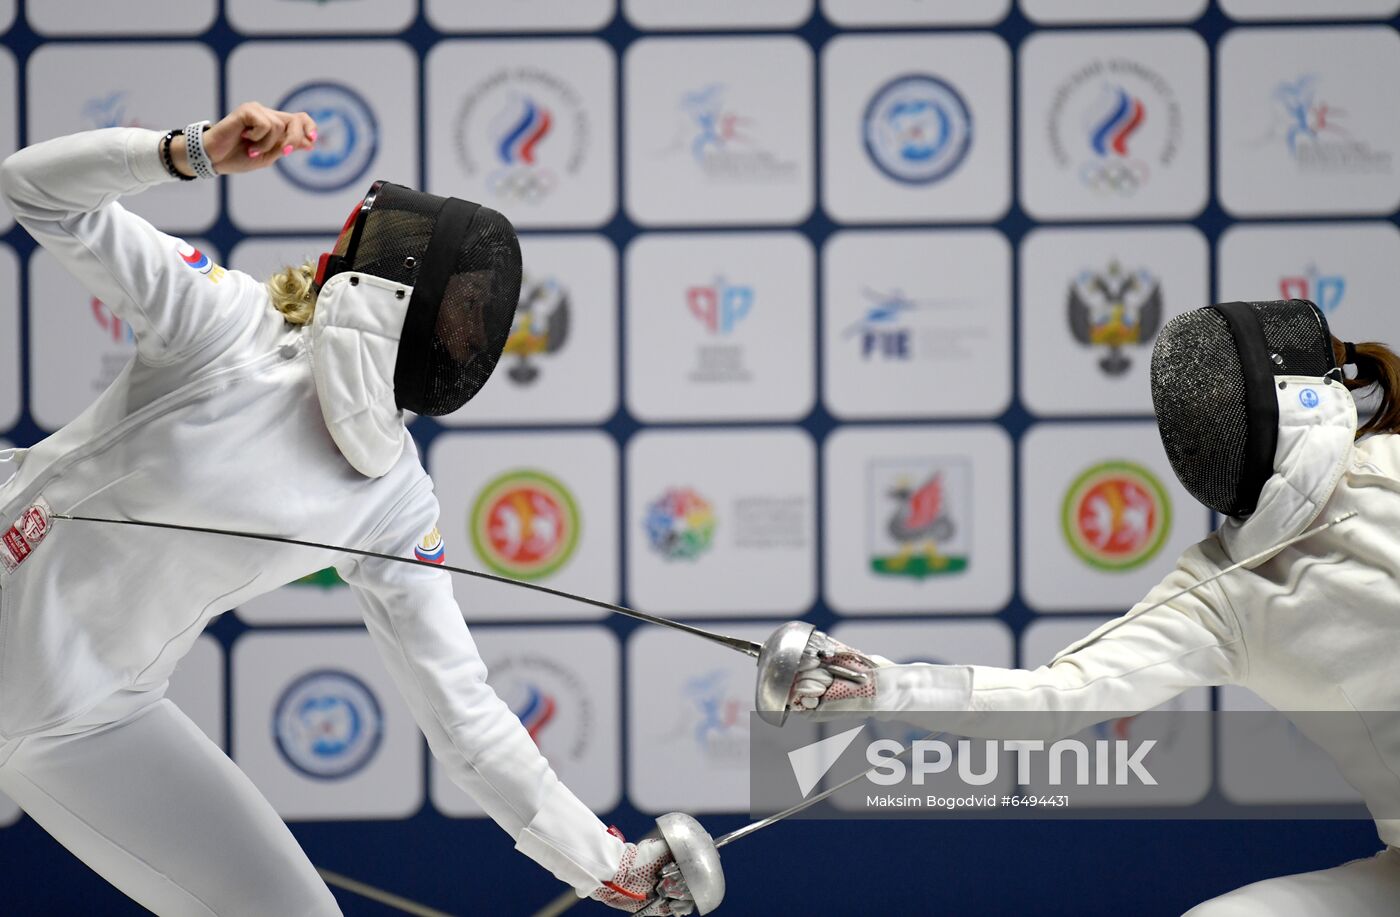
pixel 810 801
pixel 762 823
pixel 747 647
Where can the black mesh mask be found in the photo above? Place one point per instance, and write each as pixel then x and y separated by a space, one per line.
pixel 1213 390
pixel 462 261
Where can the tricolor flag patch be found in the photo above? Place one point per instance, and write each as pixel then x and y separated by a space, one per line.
pixel 431 549
pixel 199 261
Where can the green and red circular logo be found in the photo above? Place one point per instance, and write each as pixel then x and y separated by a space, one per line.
pixel 524 525
pixel 1116 516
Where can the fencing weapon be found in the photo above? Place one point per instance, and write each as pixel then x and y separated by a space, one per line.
pixel 696 855
pixel 779 657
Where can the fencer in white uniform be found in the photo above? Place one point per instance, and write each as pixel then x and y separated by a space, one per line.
pixel 1313 628
pixel 229 416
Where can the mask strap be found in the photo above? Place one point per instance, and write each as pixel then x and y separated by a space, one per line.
pixel 420 323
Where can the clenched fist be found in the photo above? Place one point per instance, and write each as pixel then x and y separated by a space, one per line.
pixel 250 137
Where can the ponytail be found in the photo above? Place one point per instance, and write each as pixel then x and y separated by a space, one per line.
pixel 1377 369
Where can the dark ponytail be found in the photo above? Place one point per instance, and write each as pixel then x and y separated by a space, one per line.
pixel 1376 365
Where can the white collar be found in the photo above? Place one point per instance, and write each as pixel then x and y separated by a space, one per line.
pixel 1317 426
pixel 354 346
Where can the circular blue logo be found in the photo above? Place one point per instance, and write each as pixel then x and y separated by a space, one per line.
pixel 1308 398
pixel 917 129
pixel 347 137
pixel 327 724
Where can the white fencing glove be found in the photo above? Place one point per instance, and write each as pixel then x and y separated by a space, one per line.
pixel 837 678
pixel 638 880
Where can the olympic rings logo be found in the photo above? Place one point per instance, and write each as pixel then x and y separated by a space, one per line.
pixel 529 185
pixel 1122 177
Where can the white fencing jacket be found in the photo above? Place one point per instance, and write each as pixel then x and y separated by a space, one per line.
pixel 216 422
pixel 1316 627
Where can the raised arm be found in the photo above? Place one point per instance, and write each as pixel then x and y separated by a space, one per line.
pixel 65 193
pixel 1128 665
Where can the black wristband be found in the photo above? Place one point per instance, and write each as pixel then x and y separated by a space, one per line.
pixel 168 159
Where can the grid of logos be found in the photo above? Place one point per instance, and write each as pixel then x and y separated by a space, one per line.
pixel 843 391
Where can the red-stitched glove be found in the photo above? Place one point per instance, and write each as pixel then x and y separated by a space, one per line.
pixel 817 685
pixel 639 880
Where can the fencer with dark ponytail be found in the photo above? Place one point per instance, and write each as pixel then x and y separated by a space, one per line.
pixel 1379 366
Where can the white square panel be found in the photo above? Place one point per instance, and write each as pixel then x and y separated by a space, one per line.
pixel 9 120
pixel 1093 12
pixel 688 713
pixel 81 86
pixel 856 13
pixel 916 129
pixel 564 683
pixel 11 372
pixel 129 17
pixel 318 17
pixel 911 317
pixel 7 14
pixel 473 16
pixel 560 363
pixel 918 520
pixel 319 726
pixel 366 117
pixel 717 14
pixel 1306 121
pixel 722 522
pixel 1310 9
pixel 1103 518
pixel 1092 302
pixel 1351 270
pixel 720 326
pixel 77 345
pixel 538 507
pixel 526 127
pixel 1113 124
pixel 719 131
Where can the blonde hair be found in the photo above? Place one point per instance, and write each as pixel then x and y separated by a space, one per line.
pixel 293 292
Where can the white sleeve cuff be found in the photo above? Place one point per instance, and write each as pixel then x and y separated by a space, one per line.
pixel 921 686
pixel 143 156
pixel 566 838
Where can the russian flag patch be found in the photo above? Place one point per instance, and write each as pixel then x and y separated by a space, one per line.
pixel 431 549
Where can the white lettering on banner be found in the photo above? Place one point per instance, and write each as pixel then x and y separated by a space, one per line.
pixel 934 756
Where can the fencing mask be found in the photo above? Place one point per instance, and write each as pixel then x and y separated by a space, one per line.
pixel 1214 389
pixel 413 308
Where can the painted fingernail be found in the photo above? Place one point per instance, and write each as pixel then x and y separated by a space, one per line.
pixel 254 154
pixel 311 134
pixel 287 150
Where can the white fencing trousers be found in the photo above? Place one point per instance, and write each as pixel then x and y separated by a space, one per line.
pixel 156 809
pixel 1361 888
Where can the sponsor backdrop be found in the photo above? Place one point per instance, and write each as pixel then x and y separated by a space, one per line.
pixel 835 309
